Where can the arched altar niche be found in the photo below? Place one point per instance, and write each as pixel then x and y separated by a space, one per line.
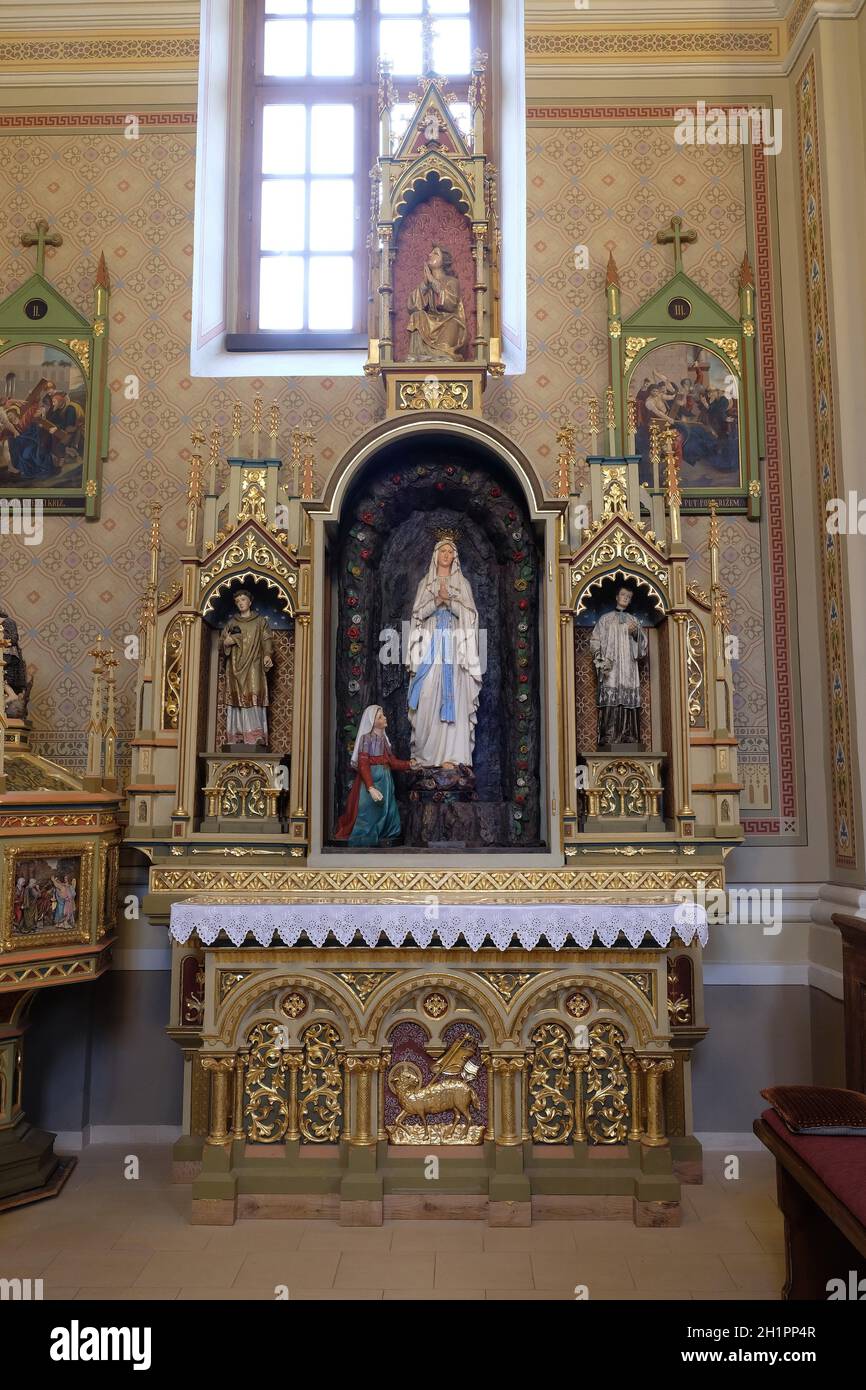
pixel 270 603
pixel 645 608
pixel 386 534
pixel 435 221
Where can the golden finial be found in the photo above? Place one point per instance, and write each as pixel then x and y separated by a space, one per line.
pixel 612 274
pixel 273 427
pixel 672 472
pixel 593 415
pixel 236 428
pixel 714 537
pixel 565 440
pixel 308 440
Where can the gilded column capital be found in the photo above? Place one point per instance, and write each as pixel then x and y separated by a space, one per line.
pixel 218 1064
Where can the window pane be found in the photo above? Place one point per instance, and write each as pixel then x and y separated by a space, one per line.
pixel 399 6
pixel 331 292
pixel 283 203
pixel 462 114
pixel 281 292
pixel 332 142
pixel 401 114
pixel 400 40
pixel 332 215
pixel 451 46
pixel 284 135
pixel 333 47
pixel 285 47
pixel 285 6
pixel 333 6
pixel 449 6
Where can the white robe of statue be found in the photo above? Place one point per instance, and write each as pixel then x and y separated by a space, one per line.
pixel 444 660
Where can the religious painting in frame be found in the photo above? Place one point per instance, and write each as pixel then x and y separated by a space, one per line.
pixel 683 360
pixel 54 398
pixel 690 388
pixel 46 894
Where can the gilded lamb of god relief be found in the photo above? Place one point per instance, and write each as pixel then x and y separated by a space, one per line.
pixel 248 647
pixel 437 319
pixel 445 664
pixel 618 644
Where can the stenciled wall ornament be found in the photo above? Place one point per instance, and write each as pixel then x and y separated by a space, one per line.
pixel 54 402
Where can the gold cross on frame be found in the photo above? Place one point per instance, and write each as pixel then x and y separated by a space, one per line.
pixel 678 237
pixel 40 239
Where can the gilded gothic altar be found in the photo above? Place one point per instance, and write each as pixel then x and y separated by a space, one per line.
pixel 432 768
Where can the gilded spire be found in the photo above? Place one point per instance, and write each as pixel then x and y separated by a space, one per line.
pixel 747 275
pixel 612 276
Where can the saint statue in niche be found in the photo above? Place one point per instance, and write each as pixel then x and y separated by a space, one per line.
pixel 371 817
pixel 248 646
pixel 445 663
pixel 437 320
pixel 617 644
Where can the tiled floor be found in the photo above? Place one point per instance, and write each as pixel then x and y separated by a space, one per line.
pixel 107 1237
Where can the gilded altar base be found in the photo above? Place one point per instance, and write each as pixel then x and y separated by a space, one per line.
pixel 506 1086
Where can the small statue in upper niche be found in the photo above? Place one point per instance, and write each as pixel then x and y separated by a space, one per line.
pixel 437 320
pixel 618 644
pixel 249 649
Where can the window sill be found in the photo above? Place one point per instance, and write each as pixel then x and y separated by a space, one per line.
pixel 213 359
pixel 295 342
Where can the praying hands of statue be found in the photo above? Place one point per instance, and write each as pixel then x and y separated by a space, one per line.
pixel 443 596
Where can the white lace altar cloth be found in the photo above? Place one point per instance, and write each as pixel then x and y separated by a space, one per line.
pixel 445 924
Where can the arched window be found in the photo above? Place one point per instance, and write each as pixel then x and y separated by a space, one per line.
pixel 310 131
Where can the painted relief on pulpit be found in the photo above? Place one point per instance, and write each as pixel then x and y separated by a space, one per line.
pixel 45 897
pixel 687 387
pixel 43 418
pixel 437 624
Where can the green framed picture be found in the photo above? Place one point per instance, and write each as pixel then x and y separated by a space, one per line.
pixel 54 402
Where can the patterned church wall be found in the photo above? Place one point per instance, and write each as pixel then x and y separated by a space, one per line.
pixel 608 185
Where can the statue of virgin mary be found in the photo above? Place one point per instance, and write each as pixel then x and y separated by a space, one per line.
pixel 444 660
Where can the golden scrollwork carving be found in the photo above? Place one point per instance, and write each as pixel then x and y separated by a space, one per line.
pixel 253 504
pixel 368 885
pixel 619 545
pixel 551 1112
pixel 172 673
pixel 607 1086
pixel 226 981
pixel 433 394
pixel 624 789
pixel 614 488
pixel 320 1100
pixel 699 595
pixel 80 349
pixel 506 982
pixel 249 551
pixel 696 660
pixel 731 348
pixel 641 979
pixel 266 1110
pixel 242 790
pixel 363 982
pixel 634 345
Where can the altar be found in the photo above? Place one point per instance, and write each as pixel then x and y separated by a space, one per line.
pixel 433 770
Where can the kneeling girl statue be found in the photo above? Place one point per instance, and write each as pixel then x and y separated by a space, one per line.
pixel 371 816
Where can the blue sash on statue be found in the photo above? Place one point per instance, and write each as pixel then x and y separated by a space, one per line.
pixel 440 651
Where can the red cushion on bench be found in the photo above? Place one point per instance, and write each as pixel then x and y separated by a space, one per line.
pixel 838 1160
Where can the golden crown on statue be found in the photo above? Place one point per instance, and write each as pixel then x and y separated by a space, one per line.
pixel 447 533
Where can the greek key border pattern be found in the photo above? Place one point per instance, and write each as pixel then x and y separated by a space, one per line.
pixel 826 477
